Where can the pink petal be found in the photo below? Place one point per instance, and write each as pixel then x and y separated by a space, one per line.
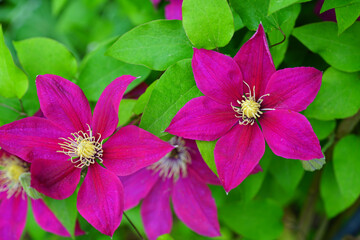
pixel 156 2
pixel 255 62
pixel 12 217
pixel 63 102
pixel 173 10
pixel 198 164
pixel 217 76
pixel 101 199
pixel 54 178
pixel 137 186
pixel 238 153
pixel 256 169
pixel 202 119
pixel 155 210
pixel 31 138
pixel 106 117
pixel 293 88
pixel 290 135
pixel 132 148
pixel 195 206
pixel 46 219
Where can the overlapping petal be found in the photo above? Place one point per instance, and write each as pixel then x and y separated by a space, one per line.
pixel 195 206
pixel 238 153
pixel 106 117
pixel 293 88
pixel 132 148
pixel 255 62
pixel 202 119
pixel 290 135
pixel 173 10
pixel 100 199
pixel 217 76
pixel 63 102
pixel 54 178
pixel 156 211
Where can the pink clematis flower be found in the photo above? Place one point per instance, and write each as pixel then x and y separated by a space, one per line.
pixel 181 175
pixel 172 9
pixel 239 94
pixel 69 140
pixel 328 15
pixel 14 203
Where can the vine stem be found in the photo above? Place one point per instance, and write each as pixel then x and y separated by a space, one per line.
pixel 134 227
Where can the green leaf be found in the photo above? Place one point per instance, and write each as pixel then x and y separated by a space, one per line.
pixel 57 6
pixel 208 23
pixel 313 165
pixel 156 45
pixel 206 150
pixel 139 11
pixel 13 82
pixel 347 165
pixel 144 99
pixel 346 16
pixel 64 210
pixel 338 96
pixel 125 110
pixel 165 237
pixel 43 56
pixel 342 52
pixel 276 5
pixel 9 110
pixel 329 4
pixel 166 101
pixel 97 71
pixel 254 220
pixel 322 129
pixel 25 179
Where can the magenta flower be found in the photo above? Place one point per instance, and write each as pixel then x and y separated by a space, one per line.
pixel 172 9
pixel 328 15
pixel 70 141
pixel 181 175
pixel 239 94
pixel 14 203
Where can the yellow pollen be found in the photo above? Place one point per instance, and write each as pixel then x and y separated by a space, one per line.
pixel 86 149
pixel 13 172
pixel 250 108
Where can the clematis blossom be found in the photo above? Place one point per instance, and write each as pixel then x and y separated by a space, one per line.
pixel 182 176
pixel 14 203
pixel 70 141
pixel 172 9
pixel 242 95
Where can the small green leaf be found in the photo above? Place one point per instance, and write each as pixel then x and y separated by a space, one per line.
pixel 13 82
pixel 206 150
pixel 329 4
pixel 64 210
pixel 338 96
pixel 341 52
pixel 322 129
pixel 125 110
pixel 346 16
pixel 313 165
pixel 25 179
pixel 9 110
pixel 276 5
pixel 156 45
pixel 164 101
pixel 208 23
pixel 165 237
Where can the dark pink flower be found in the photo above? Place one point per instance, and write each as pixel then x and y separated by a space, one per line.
pixel 14 203
pixel 181 175
pixel 70 140
pixel 172 9
pixel 239 94
pixel 328 15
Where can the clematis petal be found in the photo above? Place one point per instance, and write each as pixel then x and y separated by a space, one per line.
pixel 137 186
pixel 132 148
pixel 195 206
pixel 217 76
pixel 63 102
pixel 255 62
pixel 198 164
pixel 31 138
pixel 12 217
pixel 106 117
pixel 54 178
pixel 202 119
pixel 101 199
pixel 293 88
pixel 173 10
pixel 156 211
pixel 238 153
pixel 290 135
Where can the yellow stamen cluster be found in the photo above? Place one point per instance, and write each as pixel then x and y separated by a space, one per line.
pixel 82 148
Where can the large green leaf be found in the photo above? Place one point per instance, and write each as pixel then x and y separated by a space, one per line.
pixel 13 82
pixel 346 16
pixel 322 129
pixel 342 52
pixel 329 4
pixel 97 71
pixel 173 90
pixel 208 23
pixel 157 45
pixel 338 96
pixel 9 110
pixel 276 5
pixel 43 56
pixel 206 150
pixel 144 99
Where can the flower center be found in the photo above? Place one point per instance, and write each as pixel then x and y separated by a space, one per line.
pixel 12 169
pixel 174 164
pixel 250 108
pixel 82 148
